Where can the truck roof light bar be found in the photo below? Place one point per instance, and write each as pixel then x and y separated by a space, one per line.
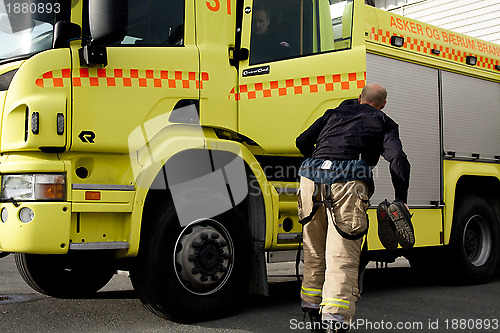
pixel 397 41
pixel 471 60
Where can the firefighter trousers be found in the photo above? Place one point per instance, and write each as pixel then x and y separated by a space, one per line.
pixel 331 262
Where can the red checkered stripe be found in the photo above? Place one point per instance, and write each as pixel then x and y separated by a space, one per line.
pixel 488 63
pixel 422 46
pixel 300 86
pixel 105 77
pixel 55 79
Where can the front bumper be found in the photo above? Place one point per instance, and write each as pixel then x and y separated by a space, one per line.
pixel 35 237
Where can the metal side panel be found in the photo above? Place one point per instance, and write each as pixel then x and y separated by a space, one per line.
pixel 471 116
pixel 412 102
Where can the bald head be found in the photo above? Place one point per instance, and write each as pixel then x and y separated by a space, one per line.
pixel 373 94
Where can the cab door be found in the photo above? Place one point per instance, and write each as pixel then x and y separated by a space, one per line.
pixel 153 69
pixel 313 58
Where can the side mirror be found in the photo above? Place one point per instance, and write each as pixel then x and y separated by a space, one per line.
pixel 64 32
pixel 108 21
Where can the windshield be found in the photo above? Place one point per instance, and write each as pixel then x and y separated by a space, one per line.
pixel 26 27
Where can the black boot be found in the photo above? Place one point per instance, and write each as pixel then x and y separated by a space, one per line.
pixel 315 318
pixel 332 328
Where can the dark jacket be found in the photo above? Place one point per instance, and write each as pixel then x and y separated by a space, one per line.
pixel 358 131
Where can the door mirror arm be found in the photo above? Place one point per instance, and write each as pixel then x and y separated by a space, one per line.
pixel 108 20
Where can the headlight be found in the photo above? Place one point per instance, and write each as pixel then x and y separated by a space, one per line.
pixel 33 187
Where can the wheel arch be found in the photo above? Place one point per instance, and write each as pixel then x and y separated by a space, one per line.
pixel 486 187
pixel 256 206
pixel 462 178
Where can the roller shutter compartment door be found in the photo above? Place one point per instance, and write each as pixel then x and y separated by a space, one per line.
pixel 413 103
pixel 471 116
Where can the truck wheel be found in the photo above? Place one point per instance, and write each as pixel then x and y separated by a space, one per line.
pixel 474 240
pixel 65 276
pixel 4 254
pixel 192 273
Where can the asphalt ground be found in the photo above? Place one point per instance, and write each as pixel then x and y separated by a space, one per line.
pixel 395 299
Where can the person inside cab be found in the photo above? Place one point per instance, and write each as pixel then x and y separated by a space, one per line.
pixel 265 44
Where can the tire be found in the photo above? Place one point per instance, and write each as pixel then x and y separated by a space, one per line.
pixel 192 273
pixel 4 254
pixel 474 240
pixel 66 276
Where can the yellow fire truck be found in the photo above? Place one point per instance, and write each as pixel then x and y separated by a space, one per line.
pixel 159 137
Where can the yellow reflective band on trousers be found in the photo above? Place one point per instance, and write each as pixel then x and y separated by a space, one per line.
pixel 311 292
pixel 341 303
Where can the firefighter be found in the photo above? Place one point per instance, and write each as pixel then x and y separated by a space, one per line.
pixel 336 182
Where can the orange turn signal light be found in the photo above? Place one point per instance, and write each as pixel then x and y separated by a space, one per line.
pixel 50 191
pixel 90 195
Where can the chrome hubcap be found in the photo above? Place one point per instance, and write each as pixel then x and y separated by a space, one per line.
pixel 203 257
pixel 477 240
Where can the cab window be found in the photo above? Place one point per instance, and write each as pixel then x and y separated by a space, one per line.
pixel 155 22
pixel 283 29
